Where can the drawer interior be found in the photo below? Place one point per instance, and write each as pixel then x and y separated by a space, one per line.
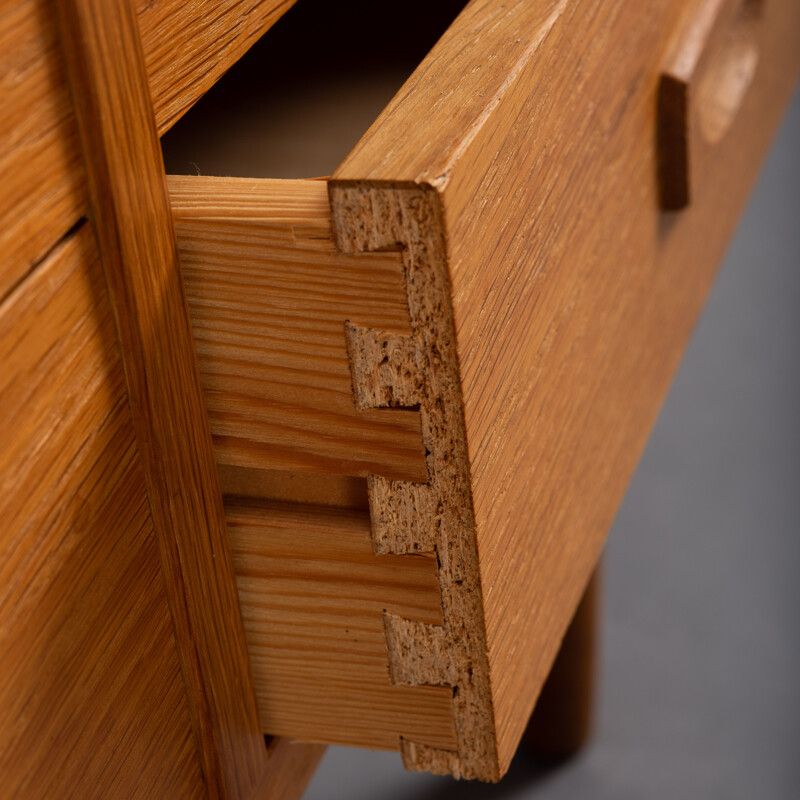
pixel 300 99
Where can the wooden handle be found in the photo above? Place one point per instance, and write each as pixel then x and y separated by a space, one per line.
pixel 702 87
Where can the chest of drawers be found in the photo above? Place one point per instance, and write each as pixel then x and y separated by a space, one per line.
pixel 355 494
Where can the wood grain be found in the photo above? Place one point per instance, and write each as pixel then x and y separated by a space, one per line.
pixel 572 298
pixel 133 225
pixel 294 487
pixel 313 597
pixel 269 296
pixel 188 46
pixel 91 693
pixel 703 83
pixel 549 302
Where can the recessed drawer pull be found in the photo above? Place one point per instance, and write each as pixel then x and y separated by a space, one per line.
pixel 702 87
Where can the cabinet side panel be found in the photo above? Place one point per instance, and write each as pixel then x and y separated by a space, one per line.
pixel 91 693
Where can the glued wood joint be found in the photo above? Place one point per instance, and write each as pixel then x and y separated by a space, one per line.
pixel 408 517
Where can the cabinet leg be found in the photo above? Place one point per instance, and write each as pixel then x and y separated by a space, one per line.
pixel 562 720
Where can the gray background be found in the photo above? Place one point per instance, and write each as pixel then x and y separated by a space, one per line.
pixel 700 671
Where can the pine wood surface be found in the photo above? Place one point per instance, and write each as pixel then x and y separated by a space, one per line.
pixel 572 297
pixel 313 598
pixel 188 46
pixel 294 487
pixel 91 698
pixel 269 297
pixel 131 218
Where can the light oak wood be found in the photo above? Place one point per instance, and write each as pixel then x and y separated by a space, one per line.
pixel 703 84
pixel 92 699
pixel 314 598
pixel 187 46
pixel 498 345
pixel 269 296
pixel 132 222
pixel 518 168
pixel 536 303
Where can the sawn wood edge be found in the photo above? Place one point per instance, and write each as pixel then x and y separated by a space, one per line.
pixel 436 516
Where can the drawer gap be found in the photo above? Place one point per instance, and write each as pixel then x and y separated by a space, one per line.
pixel 300 99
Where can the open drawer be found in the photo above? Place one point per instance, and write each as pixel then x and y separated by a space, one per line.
pixel 429 377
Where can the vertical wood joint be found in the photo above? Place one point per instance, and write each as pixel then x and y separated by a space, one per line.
pixel 410 517
pixel 133 226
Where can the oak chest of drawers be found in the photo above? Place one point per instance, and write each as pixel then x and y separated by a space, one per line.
pixel 333 460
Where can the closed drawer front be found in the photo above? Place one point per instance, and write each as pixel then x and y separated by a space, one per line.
pixel 430 377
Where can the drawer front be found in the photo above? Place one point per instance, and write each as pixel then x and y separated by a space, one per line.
pixel 462 340
pixel 91 676
pixel 519 167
